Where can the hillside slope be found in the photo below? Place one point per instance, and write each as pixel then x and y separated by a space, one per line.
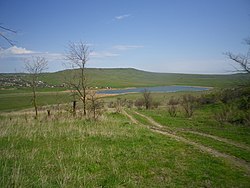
pixel 128 77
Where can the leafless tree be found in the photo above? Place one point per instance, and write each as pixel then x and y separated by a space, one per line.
pixel 95 106
pixel 78 56
pixel 147 99
pixel 3 35
pixel 35 66
pixel 242 60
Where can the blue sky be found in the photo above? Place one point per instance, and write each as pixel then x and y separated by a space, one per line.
pixel 186 36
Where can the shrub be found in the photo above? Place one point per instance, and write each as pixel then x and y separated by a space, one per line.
pixel 139 103
pixel 155 104
pixel 147 99
pixel 172 106
pixel 244 103
pixel 129 103
pixel 188 103
pixel 111 104
pixel 95 106
pixel 230 114
pixel 207 99
pixel 118 105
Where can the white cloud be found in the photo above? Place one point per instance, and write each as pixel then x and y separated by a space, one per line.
pixel 14 50
pixel 20 52
pixel 122 16
pixel 127 47
pixel 103 54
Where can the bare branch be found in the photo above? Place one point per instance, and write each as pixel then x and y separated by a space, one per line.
pixel 7 29
pixel 78 56
pixel 34 67
pixel 242 60
pixel 6 38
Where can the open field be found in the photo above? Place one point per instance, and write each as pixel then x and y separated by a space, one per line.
pixel 113 152
pixel 18 101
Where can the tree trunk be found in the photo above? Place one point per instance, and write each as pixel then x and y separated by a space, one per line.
pixel 74 108
pixel 84 102
pixel 83 88
pixel 34 96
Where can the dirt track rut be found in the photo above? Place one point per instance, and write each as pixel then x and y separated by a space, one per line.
pixel 158 128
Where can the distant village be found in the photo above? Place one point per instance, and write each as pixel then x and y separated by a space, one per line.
pixel 14 81
pixel 19 82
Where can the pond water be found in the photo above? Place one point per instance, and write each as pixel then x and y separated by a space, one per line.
pixel 159 89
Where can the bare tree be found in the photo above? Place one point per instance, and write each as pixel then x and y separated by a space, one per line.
pixel 147 99
pixel 3 35
pixel 78 56
pixel 95 106
pixel 35 66
pixel 242 60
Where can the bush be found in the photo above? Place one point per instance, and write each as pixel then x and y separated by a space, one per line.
pixel 207 99
pixel 172 106
pixel 230 114
pixel 244 103
pixel 155 104
pixel 232 94
pixel 139 103
pixel 188 103
pixel 111 104
pixel 148 100
pixel 118 105
pixel 129 103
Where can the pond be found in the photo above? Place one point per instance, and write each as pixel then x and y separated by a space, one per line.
pixel 159 89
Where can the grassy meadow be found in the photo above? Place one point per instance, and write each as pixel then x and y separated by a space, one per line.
pixel 112 152
pixel 127 147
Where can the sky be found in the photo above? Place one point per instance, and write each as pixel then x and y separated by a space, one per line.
pixel 171 36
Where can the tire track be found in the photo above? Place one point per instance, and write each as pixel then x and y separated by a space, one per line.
pixel 158 128
pixel 239 145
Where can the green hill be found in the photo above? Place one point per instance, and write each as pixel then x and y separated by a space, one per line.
pixel 128 77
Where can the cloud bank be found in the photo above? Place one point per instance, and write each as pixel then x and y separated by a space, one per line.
pixel 14 50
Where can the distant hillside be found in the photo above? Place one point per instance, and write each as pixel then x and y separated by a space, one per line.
pixel 128 77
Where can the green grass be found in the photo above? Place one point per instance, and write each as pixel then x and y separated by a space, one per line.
pixel 21 100
pixel 128 77
pixel 219 146
pixel 202 121
pixel 18 101
pixel 108 153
